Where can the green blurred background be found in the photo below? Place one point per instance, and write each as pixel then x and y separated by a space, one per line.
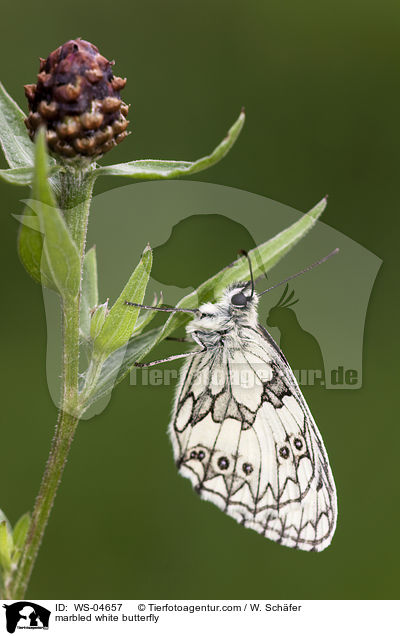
pixel 320 82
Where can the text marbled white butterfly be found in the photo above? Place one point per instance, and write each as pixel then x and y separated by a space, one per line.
pixel 242 432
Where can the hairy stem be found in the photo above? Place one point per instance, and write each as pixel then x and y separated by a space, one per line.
pixel 74 191
pixel 61 444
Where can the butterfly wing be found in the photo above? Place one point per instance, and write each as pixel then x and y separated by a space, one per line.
pixel 243 434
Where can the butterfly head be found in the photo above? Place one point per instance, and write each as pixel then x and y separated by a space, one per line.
pixel 236 306
pixel 239 303
pixel 240 298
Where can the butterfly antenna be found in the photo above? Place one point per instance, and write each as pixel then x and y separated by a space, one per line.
pixel 251 281
pixel 306 269
pixel 168 309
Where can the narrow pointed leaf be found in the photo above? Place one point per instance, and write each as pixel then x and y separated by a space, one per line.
pixel 160 169
pixel 17 176
pixel 30 238
pixel 59 263
pixel 90 296
pixel 21 530
pixel 14 139
pixel 23 176
pixel 30 248
pixel 120 322
pixel 263 258
pixel 6 546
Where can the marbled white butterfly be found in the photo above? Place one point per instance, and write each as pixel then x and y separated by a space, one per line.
pixel 241 429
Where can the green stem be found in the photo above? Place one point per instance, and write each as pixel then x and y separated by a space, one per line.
pixel 61 444
pixel 74 191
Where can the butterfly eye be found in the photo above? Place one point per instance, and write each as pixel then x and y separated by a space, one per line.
pixel 247 468
pixel 201 455
pixel 239 300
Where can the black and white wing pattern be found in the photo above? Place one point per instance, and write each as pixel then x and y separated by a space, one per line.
pixel 243 434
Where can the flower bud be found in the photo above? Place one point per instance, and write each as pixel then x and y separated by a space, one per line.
pixel 77 99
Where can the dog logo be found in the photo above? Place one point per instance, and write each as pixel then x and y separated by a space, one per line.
pixel 26 615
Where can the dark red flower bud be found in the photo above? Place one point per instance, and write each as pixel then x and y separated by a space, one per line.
pixel 77 99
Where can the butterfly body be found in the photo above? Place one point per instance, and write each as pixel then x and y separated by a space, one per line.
pixel 242 432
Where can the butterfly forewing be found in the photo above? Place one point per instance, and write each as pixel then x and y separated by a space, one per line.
pixel 243 434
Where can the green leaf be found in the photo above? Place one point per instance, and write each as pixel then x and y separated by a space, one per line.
pixel 120 362
pixel 6 546
pixel 159 169
pixel 59 262
pixel 90 295
pixel 30 239
pixel 30 248
pixel 120 322
pixel 23 176
pixel 21 530
pixel 263 258
pixel 14 139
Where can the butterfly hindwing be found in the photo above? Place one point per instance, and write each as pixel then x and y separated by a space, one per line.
pixel 243 434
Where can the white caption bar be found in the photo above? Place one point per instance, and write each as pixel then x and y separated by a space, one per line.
pixel 311 618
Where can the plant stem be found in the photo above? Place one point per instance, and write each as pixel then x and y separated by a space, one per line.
pixel 74 191
pixel 61 444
